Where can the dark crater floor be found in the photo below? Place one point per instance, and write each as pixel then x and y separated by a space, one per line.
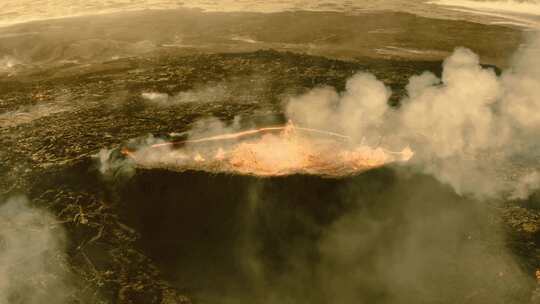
pixel 384 236
pixel 377 237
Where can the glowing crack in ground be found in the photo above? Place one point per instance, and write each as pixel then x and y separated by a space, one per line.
pixel 270 151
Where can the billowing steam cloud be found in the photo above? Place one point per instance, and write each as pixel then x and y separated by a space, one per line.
pixel 356 112
pixel 468 127
pixel 31 256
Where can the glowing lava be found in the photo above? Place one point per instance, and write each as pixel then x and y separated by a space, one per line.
pixel 280 150
pixel 286 129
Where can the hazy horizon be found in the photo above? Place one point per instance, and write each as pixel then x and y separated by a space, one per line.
pixel 518 13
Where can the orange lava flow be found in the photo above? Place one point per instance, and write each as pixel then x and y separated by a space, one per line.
pixel 286 128
pixel 270 154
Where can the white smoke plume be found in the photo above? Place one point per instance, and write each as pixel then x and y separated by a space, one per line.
pixel 233 90
pixel 112 166
pixel 7 63
pixel 355 113
pixel 31 255
pixel 204 94
pixel 156 97
pixel 468 128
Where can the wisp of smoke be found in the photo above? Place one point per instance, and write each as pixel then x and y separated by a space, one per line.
pixel 31 256
pixel 7 63
pixel 235 90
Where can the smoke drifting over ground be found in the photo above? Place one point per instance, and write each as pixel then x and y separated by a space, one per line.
pixel 213 93
pixel 31 256
pixel 7 63
pixel 467 127
pixel 238 90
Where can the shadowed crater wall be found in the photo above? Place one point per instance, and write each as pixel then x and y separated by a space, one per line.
pixel 385 236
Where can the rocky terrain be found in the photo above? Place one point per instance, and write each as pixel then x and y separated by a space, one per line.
pixel 54 123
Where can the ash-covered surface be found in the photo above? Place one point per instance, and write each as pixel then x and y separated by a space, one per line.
pixel 121 232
